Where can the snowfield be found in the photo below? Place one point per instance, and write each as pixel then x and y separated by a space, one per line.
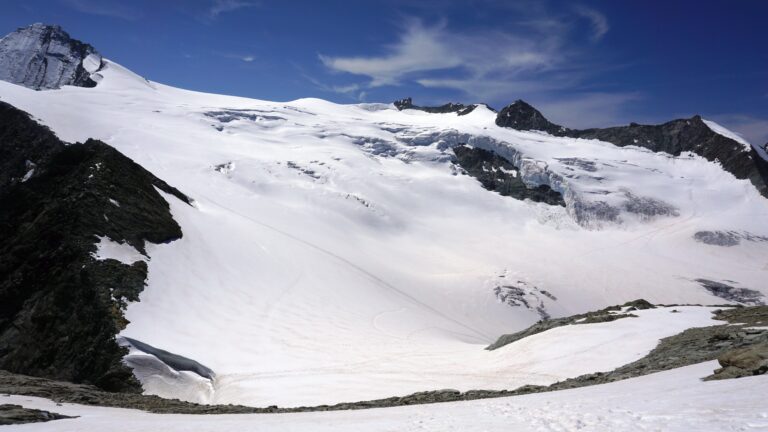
pixel 675 400
pixel 334 253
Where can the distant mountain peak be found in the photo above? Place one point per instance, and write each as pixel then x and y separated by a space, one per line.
pixel 521 115
pixel 44 56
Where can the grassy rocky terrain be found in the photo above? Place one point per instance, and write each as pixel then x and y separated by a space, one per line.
pixel 60 307
pixel 740 344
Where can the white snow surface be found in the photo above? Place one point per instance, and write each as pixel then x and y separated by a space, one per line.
pixel 92 63
pixel 106 248
pixel 718 129
pixel 675 401
pixel 346 259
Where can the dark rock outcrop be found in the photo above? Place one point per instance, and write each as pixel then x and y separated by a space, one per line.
pixel 17 414
pixel 726 291
pixel 450 107
pixel 726 238
pixel 45 57
pixel 717 238
pixel 674 137
pixel 498 174
pixel 742 362
pixel 60 307
pixel 521 115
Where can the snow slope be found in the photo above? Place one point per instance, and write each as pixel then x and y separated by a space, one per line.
pixel 334 253
pixel 675 400
pixel 727 133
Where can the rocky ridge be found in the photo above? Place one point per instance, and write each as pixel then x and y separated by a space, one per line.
pixel 673 137
pixel 60 305
pixel 45 57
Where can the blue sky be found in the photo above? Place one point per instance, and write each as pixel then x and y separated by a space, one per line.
pixel 590 63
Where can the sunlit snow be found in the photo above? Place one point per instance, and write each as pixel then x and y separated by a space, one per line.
pixel 334 253
pixel 107 248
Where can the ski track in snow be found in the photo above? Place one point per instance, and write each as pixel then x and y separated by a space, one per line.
pixel 338 258
pixel 376 279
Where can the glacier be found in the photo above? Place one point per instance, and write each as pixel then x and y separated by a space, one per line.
pixel 336 253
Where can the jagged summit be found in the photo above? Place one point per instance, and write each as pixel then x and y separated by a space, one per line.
pixel 521 115
pixel 44 57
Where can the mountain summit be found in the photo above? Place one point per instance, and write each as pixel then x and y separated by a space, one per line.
pixel 44 57
pixel 521 115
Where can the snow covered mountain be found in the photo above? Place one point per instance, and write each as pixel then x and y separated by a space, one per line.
pixel 350 252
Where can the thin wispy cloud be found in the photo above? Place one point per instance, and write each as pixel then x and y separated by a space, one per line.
pixel 247 58
pixel 220 7
pixel 541 56
pixel 110 8
pixel 352 91
pixel 598 21
pixel 422 49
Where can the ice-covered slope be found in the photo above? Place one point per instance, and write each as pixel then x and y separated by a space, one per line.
pixel 335 252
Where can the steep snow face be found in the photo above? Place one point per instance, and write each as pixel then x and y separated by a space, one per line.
pixel 334 252
pixel 716 128
pixel 45 57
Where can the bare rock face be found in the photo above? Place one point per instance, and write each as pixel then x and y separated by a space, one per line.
pixel 521 115
pixel 44 57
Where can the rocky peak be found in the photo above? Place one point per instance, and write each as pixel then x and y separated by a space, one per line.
pixel 44 57
pixel 404 103
pixel 521 115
